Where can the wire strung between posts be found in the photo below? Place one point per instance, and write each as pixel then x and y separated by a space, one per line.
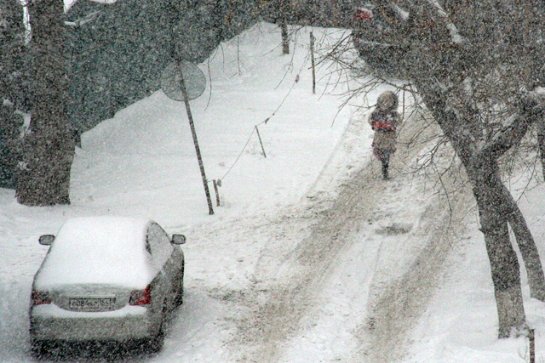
pixel 268 118
pixel 289 91
pixel 239 155
pixel 254 129
pixel 279 106
pixel 256 125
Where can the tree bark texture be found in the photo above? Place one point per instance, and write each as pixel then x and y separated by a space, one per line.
pixel 10 129
pixel 504 266
pixel 44 177
pixel 505 205
pixel 283 4
pixel 541 144
pixel 527 246
pixel 495 212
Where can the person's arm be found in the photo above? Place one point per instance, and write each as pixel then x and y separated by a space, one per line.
pixel 372 120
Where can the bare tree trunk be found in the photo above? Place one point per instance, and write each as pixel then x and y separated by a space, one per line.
pixel 504 263
pixel 283 4
pixel 527 246
pixel 494 213
pixel 44 178
pixel 541 144
pixel 505 275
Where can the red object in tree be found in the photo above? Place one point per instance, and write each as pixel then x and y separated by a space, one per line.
pixel 363 14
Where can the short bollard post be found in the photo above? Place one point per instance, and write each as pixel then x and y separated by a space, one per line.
pixel 217 192
pixel 531 337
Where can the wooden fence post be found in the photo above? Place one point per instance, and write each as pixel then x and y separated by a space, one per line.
pixel 531 337
pixel 217 192
pixel 284 26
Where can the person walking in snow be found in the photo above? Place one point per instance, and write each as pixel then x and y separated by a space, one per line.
pixel 384 120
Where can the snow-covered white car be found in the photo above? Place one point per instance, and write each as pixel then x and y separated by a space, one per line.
pixel 106 279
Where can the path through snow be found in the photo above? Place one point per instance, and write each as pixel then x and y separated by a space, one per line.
pixel 291 305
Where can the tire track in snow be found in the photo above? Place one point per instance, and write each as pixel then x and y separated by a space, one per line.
pixel 395 305
pixel 397 302
pixel 277 318
pixel 276 311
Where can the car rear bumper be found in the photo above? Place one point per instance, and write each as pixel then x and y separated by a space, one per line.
pixel 52 323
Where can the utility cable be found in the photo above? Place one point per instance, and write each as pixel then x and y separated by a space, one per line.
pixel 239 155
pixel 268 118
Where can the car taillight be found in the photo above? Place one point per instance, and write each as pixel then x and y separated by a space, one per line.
pixel 363 14
pixel 141 297
pixel 40 298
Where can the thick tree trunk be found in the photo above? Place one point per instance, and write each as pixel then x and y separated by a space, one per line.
pixel 10 129
pixel 504 264
pixel 44 178
pixel 527 246
pixel 494 214
pixel 506 205
pixel 505 274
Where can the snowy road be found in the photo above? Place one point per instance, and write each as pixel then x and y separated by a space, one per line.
pixel 318 309
pixel 342 277
pixel 331 278
pixel 311 257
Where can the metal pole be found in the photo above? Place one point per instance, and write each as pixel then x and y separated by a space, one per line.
pixel 313 63
pixel 195 141
pixel 260 141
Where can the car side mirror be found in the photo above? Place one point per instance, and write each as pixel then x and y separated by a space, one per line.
pixel 178 239
pixel 46 239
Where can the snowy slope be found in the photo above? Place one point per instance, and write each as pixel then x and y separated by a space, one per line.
pixel 311 257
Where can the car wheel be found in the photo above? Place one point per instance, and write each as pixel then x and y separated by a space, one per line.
pixel 154 344
pixel 38 348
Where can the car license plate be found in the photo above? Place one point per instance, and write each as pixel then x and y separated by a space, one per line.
pixel 91 303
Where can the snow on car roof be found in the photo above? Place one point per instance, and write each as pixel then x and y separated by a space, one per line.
pixel 98 250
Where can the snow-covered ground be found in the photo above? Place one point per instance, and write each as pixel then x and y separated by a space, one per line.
pixel 311 257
